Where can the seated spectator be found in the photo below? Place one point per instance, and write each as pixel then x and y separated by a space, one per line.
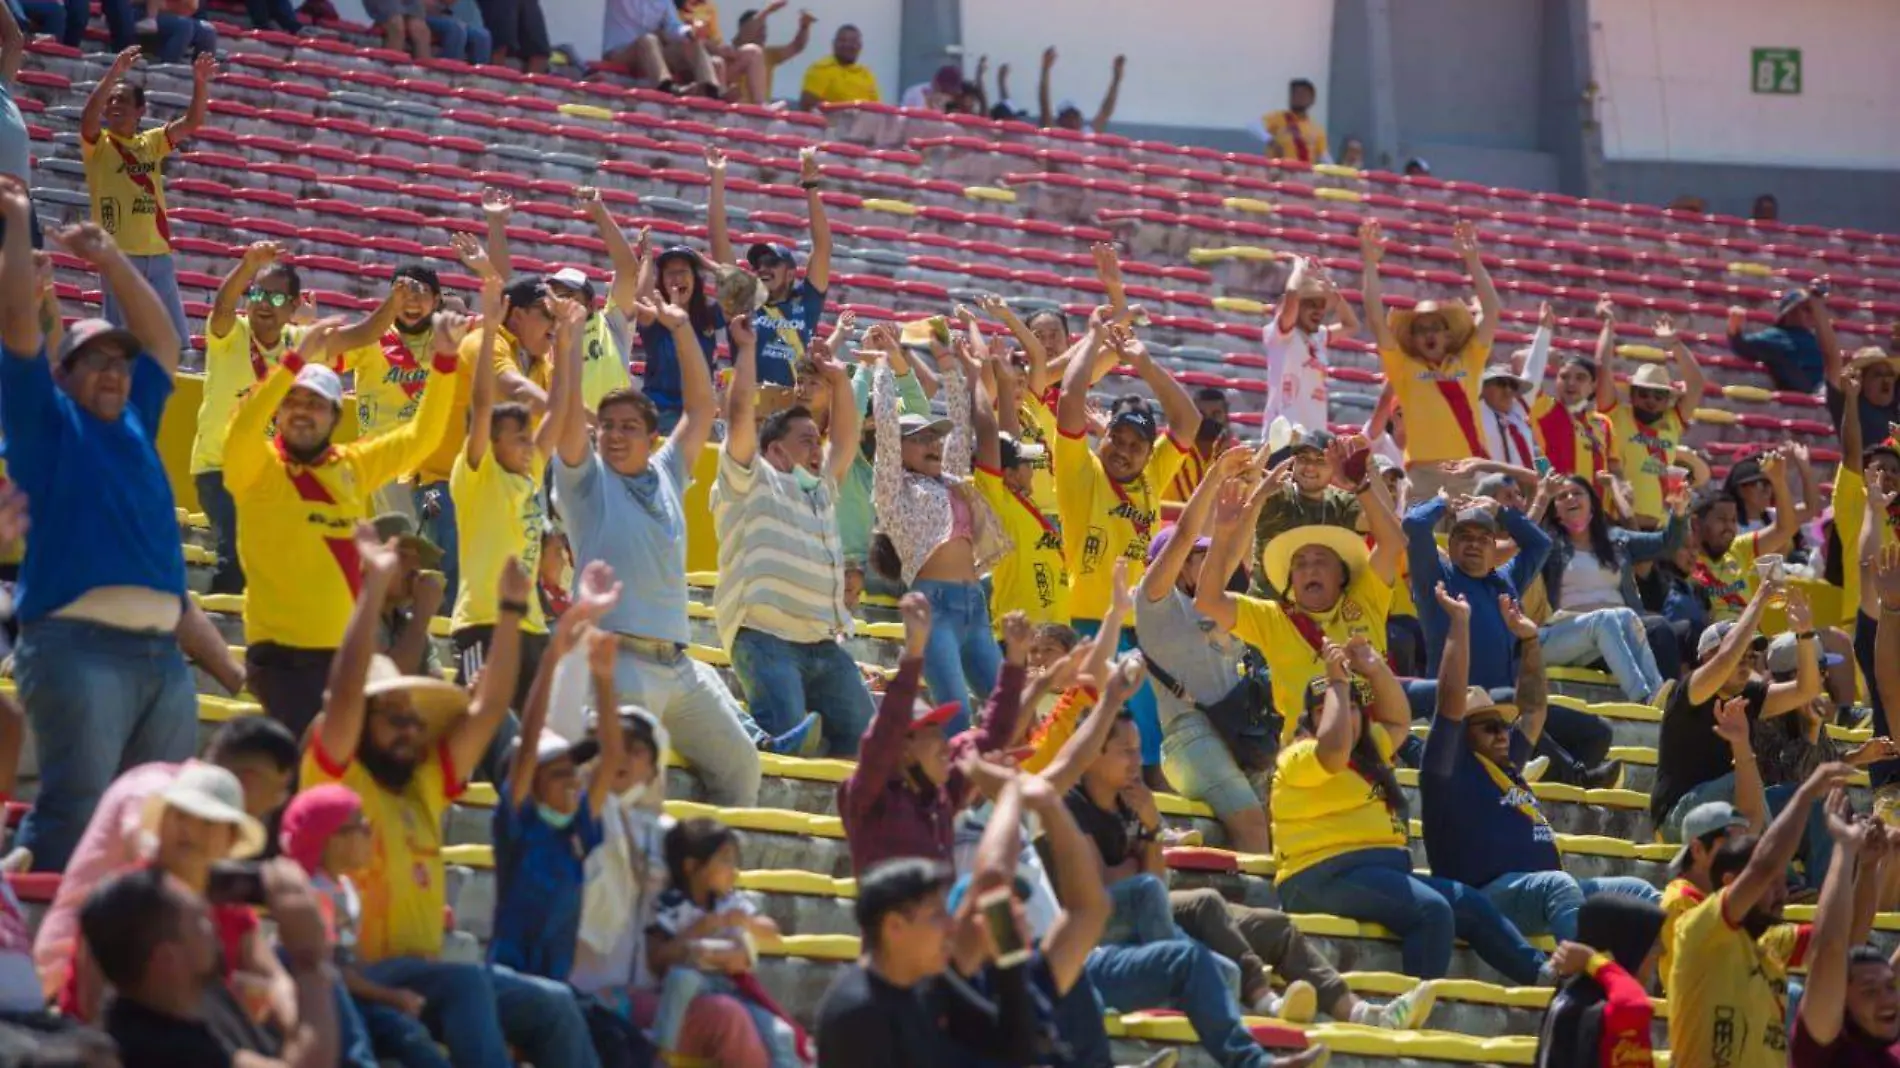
pixel 1317 494
pixel 1600 1016
pixel 404 26
pixel 273 14
pixel 181 33
pixel 1693 764
pixel 259 751
pixel 1292 133
pixel 1417 167
pixel 520 31
pixel 1797 350
pixel 1847 1013
pixel 458 25
pixel 839 78
pixel 1352 153
pixel 1340 832
pixel 940 93
pixel 704 937
pixel 1298 346
pixel 1069 115
pixel 1483 825
pixel 1724 971
pixel 1589 583
pixel 652 41
pixel 398 741
pixel 752 31
pixel 155 942
pixel 783 616
pixel 908 785
pixel 1323 582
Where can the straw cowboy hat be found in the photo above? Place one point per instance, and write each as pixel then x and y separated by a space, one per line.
pixel 1278 556
pixel 1654 376
pixel 1482 702
pixel 438 701
pixel 1872 354
pixel 1457 319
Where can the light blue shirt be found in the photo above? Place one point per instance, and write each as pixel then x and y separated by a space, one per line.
pixel 15 145
pixel 637 525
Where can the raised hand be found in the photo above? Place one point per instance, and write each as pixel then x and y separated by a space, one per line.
pixel 1464 239
pixel 474 256
pixel 715 161
pixel 1737 319
pixel 1333 655
pixel 1731 721
pixel 668 314
pixel 1515 620
pixel 1231 504
pixel 43 283
pixel 1362 657
pixel 493 304
pixel 122 63
pixel 1048 57
pixel 1800 613
pixel 1830 776
pixel 497 203
pixel 378 557
pixel 87 240
pixel 1371 242
pixel 427 592
pixel 1666 330
pixel 586 196
pixel 1606 308
pixel 1454 605
pixel 808 172
pixel 1016 635
pixel 1123 597
pixel 1546 316
pixel 204 67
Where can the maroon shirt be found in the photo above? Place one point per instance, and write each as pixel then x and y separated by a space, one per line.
pixel 1848 1050
pixel 886 814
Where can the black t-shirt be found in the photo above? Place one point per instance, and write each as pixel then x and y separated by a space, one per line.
pixel 1690 753
pixel 1116 833
pixel 151 1039
pixel 865 1022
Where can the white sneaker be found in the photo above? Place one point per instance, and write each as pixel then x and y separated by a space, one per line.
pixel 1535 767
pixel 1408 1011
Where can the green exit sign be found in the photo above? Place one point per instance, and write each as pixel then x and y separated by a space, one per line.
pixel 1775 70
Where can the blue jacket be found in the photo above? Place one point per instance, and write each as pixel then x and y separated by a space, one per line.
pixel 1430 567
pixel 1632 547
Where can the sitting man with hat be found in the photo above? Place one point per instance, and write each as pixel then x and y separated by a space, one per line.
pixel 1432 354
pixel 1800 349
pixel 1659 413
pixel 793 306
pixel 298 497
pixel 1298 344
pixel 1483 826
pixel 404 744
pixel 1328 585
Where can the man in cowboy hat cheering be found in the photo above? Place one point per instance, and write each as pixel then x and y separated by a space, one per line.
pixel 1330 587
pixel 404 744
pixel 1648 429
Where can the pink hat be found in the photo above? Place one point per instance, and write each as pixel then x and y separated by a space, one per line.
pixel 311 818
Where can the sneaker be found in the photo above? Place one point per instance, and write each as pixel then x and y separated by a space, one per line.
pixel 1408 1011
pixel 1660 699
pixel 1535 767
pixel 1299 1004
pixel 803 740
pixel 18 861
pixel 1175 837
pixel 1605 776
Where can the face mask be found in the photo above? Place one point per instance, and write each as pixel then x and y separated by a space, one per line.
pixel 557 820
pixel 806 480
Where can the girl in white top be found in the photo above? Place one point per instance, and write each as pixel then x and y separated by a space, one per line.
pixel 1298 345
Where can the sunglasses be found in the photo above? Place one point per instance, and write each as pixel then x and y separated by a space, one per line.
pixel 102 359
pixel 275 300
pixel 1651 394
pixel 404 721
pixel 1491 726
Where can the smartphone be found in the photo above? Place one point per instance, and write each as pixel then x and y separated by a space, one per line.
pixel 235 883
pixel 1011 950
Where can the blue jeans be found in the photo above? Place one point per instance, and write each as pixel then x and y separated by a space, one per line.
pixel 784 680
pixel 119 23
pixel 1546 902
pixel 181 37
pixel 221 510
pixel 1077 1015
pixel 49 16
pixel 273 14
pixel 1426 912
pixel 1139 912
pixel 100 700
pixel 459 40
pixel 435 512
pixel 1720 789
pixel 398 1037
pixel 962 656
pixel 1817 846
pixel 1178 974
pixel 1613 635
pixel 162 274
pixel 1142 704
pixel 479 1011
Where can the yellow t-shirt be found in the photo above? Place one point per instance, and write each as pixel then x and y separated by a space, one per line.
pixel 1103 519
pixel 402 889
pixel 232 363
pixel 1730 580
pixel 834 83
pixel 1850 506
pixel 1435 429
pixel 1645 451
pixel 1032 577
pixel 1677 899
pixel 389 390
pixel 436 466
pixel 1291 659
pixel 1728 993
pixel 1297 137
pixel 603 364
pixel 498 514
pixel 1037 426
pixel 126 177
pixel 1318 816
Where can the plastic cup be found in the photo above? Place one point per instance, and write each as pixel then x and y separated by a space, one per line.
pixel 1673 479
pixel 1772 568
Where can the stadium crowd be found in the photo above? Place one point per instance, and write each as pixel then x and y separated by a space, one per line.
pixel 1103 600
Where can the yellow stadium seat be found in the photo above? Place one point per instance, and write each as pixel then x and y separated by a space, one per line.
pixel 888 206
pixel 1348 196
pixel 1240 305
pixel 990 193
pixel 1248 205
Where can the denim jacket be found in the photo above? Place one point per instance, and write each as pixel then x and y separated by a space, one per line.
pixel 1632 547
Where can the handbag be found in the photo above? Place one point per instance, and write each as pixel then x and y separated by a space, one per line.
pixel 1244 717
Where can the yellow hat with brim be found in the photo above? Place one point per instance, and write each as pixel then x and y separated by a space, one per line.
pixel 1346 544
pixel 1654 376
pixel 1871 355
pixel 438 701
pixel 213 794
pixel 1457 320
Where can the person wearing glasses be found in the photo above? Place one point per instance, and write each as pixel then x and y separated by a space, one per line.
pixel 247 333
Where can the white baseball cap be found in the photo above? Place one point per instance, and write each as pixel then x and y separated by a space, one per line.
pixel 213 794
pixel 322 381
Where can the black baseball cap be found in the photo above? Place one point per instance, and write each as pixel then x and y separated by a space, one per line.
pixel 1140 419
pixel 759 253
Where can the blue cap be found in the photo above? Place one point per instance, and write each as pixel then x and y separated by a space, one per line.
pixel 762 250
pixel 1789 301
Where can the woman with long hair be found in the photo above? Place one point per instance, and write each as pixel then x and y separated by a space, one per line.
pixel 1340 825
pixel 1590 584
pixel 676 273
